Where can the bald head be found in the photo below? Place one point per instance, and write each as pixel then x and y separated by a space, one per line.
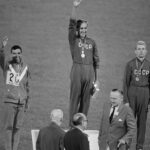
pixel 57 116
pixel 79 119
pixel 78 116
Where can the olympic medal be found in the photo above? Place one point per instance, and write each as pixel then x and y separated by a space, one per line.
pixel 83 55
pixel 137 79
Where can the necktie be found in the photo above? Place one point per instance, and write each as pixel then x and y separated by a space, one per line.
pixel 112 114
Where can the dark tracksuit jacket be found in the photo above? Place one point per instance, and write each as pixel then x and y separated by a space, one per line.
pixel 16 95
pixel 136 93
pixel 83 71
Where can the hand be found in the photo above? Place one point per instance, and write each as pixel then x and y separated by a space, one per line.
pixel 4 41
pixel 76 3
pixel 95 89
pixel 121 141
pixel 127 104
pixel 96 85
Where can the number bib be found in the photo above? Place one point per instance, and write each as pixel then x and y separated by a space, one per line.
pixel 14 78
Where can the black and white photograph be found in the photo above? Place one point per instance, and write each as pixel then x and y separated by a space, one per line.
pixel 74 75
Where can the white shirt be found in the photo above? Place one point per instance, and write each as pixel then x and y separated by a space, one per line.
pixel 115 112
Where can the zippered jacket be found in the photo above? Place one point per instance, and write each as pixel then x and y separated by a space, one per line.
pixel 16 81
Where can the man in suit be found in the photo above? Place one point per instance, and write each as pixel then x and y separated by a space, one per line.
pixel 76 139
pixel 118 124
pixel 51 137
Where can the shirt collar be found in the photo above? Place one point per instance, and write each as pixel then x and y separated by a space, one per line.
pixel 79 128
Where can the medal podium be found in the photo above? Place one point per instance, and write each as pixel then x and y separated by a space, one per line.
pixel 92 136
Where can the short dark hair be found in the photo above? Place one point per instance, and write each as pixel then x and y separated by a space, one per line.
pixel 16 47
pixel 117 90
pixel 78 25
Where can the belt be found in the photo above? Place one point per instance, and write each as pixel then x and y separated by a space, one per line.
pixel 82 63
pixel 19 104
pixel 146 86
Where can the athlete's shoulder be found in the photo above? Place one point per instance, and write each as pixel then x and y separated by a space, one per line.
pixel 23 63
pixel 90 40
pixel 25 68
pixel 147 61
pixel 131 62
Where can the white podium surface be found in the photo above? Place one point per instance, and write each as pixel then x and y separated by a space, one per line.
pixel 92 136
pixel 93 139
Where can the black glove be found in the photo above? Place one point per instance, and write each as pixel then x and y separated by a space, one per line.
pixel 95 87
pixel 93 90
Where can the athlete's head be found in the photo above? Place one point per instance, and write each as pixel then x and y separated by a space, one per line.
pixel 16 52
pixel 141 50
pixel 82 26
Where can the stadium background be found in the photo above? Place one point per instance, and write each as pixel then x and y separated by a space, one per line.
pixel 40 27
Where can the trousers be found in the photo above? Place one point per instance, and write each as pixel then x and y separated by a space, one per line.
pixel 13 121
pixel 82 77
pixel 138 100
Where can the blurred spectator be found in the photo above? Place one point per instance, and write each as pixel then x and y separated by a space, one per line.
pixel 51 137
pixel 76 139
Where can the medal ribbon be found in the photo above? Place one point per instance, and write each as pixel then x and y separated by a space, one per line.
pixel 82 47
pixel 138 67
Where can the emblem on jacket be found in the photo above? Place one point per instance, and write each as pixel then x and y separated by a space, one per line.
pixel 13 77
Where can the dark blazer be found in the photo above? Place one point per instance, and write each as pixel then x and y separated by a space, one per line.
pixel 50 138
pixel 75 139
pixel 123 126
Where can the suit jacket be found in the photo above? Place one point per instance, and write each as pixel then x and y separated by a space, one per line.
pixel 75 139
pixel 50 138
pixel 123 126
